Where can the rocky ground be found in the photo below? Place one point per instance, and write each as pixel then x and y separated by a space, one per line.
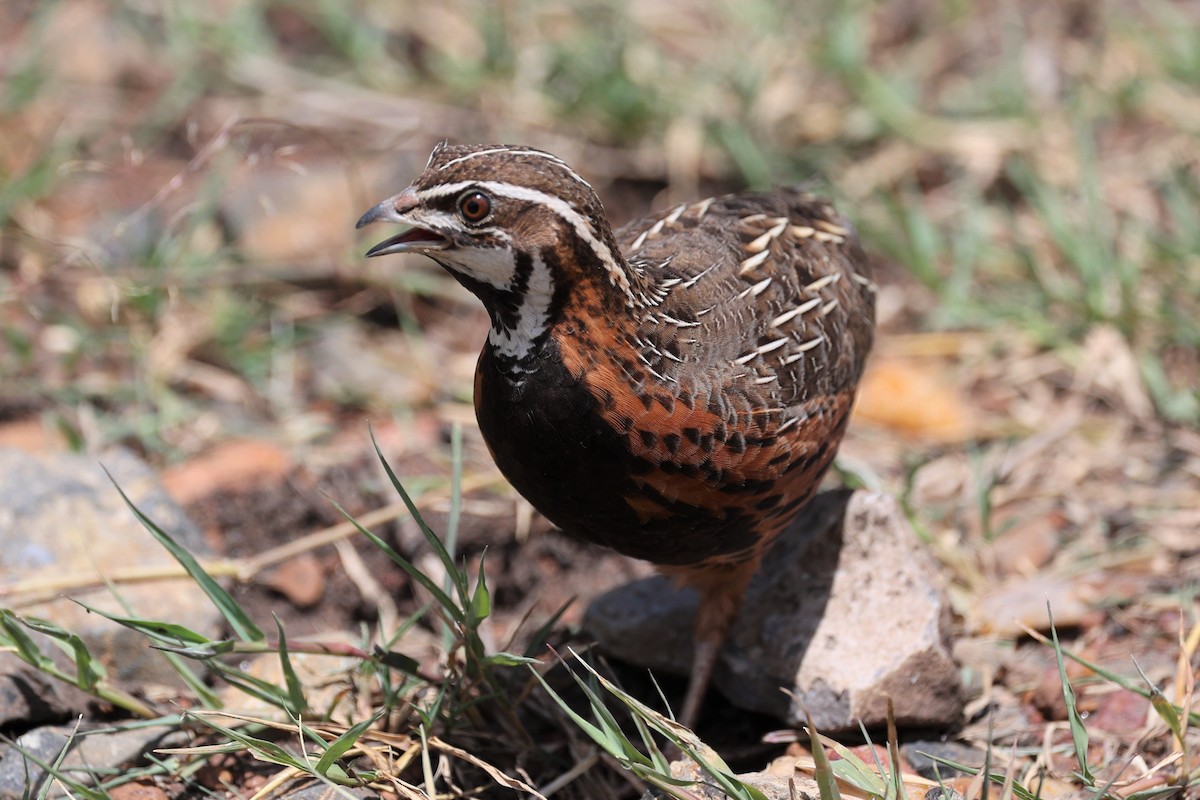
pixel 183 304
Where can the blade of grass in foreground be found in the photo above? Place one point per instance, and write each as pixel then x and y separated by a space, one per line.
pixel 435 542
pixel 90 679
pixel 607 733
pixel 238 620
pixel 823 772
pixel 444 600
pixel 1079 735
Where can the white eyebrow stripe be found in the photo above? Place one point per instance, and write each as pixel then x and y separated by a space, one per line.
pixel 443 189
pixel 556 204
pixel 535 153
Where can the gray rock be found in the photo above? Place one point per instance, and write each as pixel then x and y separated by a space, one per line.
pixel 61 516
pixel 101 749
pixel 92 755
pixel 847 611
pixel 926 758
pixel 773 786
pixel 322 791
pixel 29 698
pixel 21 774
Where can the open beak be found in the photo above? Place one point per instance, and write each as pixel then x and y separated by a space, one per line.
pixel 413 240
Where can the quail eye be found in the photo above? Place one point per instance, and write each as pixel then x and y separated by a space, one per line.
pixel 474 206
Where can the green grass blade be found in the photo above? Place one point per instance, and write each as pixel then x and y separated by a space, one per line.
pixel 510 660
pixel 238 620
pixel 167 632
pixel 23 644
pixel 88 672
pixel 257 688
pixel 481 600
pixel 295 688
pixel 176 643
pixel 1109 675
pixel 1165 710
pixel 263 749
pixel 456 469
pixel 1079 735
pixel 56 771
pixel 593 731
pixel 992 777
pixel 444 600
pixel 338 747
pixel 683 738
pixel 823 773
pixel 435 542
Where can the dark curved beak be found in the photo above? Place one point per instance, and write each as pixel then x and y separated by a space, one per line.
pixel 395 209
pixel 391 210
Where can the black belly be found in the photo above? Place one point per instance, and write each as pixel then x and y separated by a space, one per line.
pixel 551 443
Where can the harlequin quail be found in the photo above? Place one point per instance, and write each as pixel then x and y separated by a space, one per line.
pixel 675 389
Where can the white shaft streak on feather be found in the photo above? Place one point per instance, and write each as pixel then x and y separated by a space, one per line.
pixel 750 263
pixel 532 315
pixel 835 229
pixel 864 281
pixel 822 282
pixel 753 354
pixel 656 228
pixel 762 242
pixel 803 348
pixel 581 225
pixel 692 281
pixel 788 316
pixel 756 289
pixel 679 322
pixel 775 345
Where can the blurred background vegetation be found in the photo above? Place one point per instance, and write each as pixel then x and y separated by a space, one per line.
pixel 179 181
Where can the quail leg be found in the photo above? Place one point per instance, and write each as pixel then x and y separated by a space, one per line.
pixel 703 663
pixel 722 590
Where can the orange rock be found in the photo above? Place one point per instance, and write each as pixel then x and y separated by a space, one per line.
pixel 233 465
pixel 915 398
pixel 31 435
pixel 301 580
pixel 137 791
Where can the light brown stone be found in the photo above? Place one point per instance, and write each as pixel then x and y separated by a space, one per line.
pixel 847 612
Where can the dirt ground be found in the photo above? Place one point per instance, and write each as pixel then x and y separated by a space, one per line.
pixel 180 275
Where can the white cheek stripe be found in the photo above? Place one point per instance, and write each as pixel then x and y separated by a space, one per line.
pixel 532 316
pixel 559 206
